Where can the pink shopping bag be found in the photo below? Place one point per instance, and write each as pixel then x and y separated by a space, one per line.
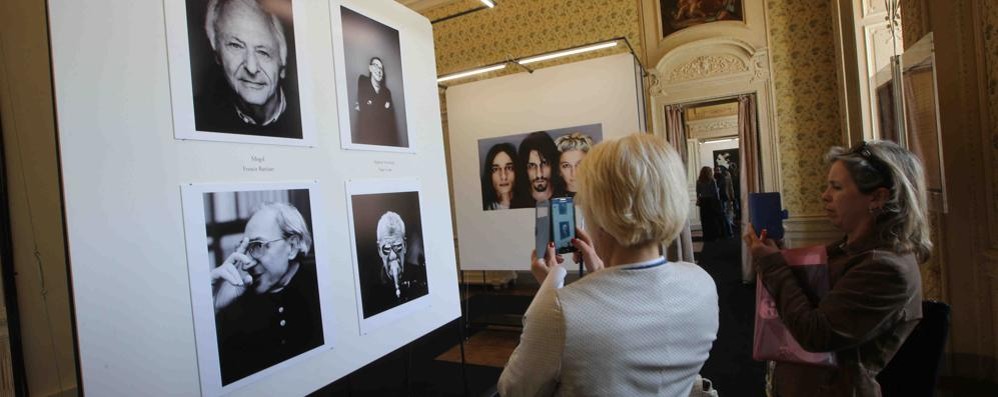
pixel 772 341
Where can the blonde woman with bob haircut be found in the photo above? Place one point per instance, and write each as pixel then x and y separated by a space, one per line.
pixel 637 324
pixel 876 195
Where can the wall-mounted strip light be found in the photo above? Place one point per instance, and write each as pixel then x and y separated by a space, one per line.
pixel 544 57
pixel 565 53
pixel 717 140
pixel 486 4
pixel 471 72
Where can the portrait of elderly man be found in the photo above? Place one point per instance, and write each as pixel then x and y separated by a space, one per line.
pixel 390 256
pixel 265 294
pixel 538 154
pixel 242 61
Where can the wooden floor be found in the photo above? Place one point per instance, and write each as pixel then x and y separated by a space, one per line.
pixel 489 347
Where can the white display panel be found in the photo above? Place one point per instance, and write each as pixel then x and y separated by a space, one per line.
pixel 122 172
pixel 600 91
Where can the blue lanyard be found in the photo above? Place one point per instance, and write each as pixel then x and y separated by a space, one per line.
pixel 650 265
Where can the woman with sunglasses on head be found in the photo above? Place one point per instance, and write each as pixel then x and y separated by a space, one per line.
pixel 876 195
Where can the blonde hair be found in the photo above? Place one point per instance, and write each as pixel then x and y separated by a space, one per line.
pixel 634 188
pixel 903 220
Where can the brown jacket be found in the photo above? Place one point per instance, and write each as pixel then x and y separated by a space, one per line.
pixel 874 302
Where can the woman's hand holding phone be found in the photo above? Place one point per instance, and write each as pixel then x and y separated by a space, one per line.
pixel 761 245
pixel 540 267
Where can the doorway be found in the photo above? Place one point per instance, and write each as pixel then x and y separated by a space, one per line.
pixel 711 130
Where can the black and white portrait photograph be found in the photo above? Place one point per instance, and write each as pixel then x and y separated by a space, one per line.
pixel 259 276
pixel 372 62
pixel 727 158
pixel 388 238
pixel 235 72
pixel 521 169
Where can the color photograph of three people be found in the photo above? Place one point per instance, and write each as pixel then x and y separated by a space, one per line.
pixel 519 170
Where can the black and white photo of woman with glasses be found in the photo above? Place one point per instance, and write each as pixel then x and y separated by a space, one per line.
pixel 265 292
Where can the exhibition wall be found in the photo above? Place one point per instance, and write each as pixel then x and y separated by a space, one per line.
pixel 161 183
pixel 599 91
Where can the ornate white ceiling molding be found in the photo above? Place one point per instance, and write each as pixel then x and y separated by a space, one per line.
pixel 713 124
pixel 706 66
pixel 654 82
pixel 760 66
pixel 707 60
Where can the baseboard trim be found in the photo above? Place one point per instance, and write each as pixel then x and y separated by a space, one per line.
pixel 803 231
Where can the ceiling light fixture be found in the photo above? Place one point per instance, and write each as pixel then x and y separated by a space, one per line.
pixel 573 51
pixel 522 62
pixel 488 3
pixel 471 72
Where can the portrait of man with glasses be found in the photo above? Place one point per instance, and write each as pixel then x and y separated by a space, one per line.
pixel 372 55
pixel 265 293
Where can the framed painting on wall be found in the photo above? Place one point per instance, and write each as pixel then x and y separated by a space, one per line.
pixel 727 158
pixel 680 14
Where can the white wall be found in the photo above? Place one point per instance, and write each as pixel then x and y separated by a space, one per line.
pixel 596 91
pixel 122 170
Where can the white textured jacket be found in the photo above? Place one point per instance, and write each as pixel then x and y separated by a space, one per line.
pixel 643 329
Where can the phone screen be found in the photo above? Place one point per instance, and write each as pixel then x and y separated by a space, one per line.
pixel 563 224
pixel 542 228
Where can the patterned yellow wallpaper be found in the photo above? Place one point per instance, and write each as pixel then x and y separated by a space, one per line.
pixel 913 21
pixel 520 28
pixel 804 75
pixel 932 269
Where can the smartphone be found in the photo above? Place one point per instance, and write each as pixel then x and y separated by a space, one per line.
pixel 542 228
pixel 766 213
pixel 562 224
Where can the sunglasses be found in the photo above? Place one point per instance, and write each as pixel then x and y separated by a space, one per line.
pixel 874 162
